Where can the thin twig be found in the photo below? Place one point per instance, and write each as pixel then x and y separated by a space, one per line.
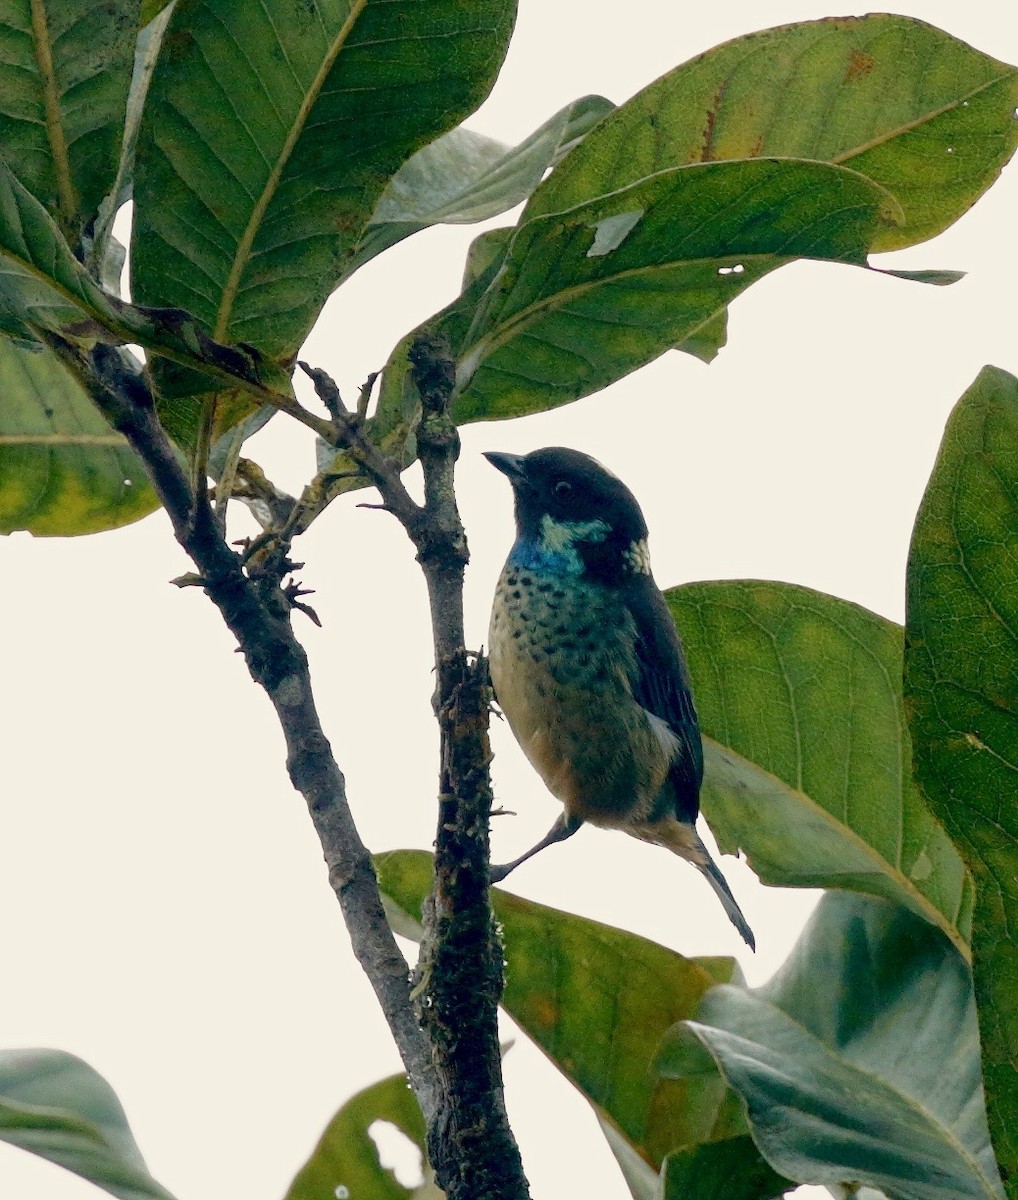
pixel 257 612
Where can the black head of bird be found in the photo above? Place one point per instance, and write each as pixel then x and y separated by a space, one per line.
pixel 587 665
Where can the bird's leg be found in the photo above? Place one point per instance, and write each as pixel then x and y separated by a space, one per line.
pixel 563 828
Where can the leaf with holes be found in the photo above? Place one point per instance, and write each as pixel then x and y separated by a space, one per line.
pixel 54 1105
pixel 809 762
pixel 918 113
pixel 65 70
pixel 962 688
pixel 583 296
pixel 598 1001
pixel 63 470
pixel 346 1161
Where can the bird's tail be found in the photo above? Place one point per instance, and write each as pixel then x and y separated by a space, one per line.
pixel 724 894
pixel 682 839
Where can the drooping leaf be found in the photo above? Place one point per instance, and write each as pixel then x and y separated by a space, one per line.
pixel 345 1160
pixel 269 134
pixel 859 1062
pixel 54 1105
pixel 466 177
pixel 810 770
pixel 584 296
pixel 962 690
pixel 919 112
pixel 65 69
pixel 597 1000
pixel 63 470
pixel 922 115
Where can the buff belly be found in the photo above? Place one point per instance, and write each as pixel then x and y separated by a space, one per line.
pixel 561 657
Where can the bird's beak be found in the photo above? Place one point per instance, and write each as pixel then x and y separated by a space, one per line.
pixel 511 465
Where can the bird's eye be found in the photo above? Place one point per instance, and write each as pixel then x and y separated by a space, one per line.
pixel 562 488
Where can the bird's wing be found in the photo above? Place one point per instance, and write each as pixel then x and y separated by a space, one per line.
pixel 662 687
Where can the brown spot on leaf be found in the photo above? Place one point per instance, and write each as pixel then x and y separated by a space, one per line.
pixel 859 64
pixel 707 153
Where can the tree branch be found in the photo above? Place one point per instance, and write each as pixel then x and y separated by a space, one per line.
pixel 459 973
pixel 446 1028
pixel 257 611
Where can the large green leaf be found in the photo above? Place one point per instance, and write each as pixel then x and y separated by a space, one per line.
pixel 589 294
pixel 65 69
pixel 583 296
pixel 911 107
pixel 962 690
pixel 598 1001
pixel 269 134
pixel 859 1062
pixel 345 1160
pixel 913 110
pixel 810 770
pixel 63 470
pixel 54 1105
pixel 466 177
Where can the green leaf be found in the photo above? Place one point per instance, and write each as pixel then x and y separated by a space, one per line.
pixel 962 691
pixel 809 766
pixel 346 1161
pixel 597 1000
pixel 580 298
pixel 920 113
pixel 63 470
pixel 859 1062
pixel 42 284
pixel 586 295
pixel 925 119
pixel 466 177
pixel 484 252
pixel 54 1105
pixel 728 1170
pixel 65 69
pixel 44 287
pixel 268 137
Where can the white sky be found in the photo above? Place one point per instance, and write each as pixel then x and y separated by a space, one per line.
pixel 169 918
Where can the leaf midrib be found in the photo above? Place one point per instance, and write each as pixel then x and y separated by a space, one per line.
pixel 43 47
pixel 924 118
pixel 62 439
pixel 243 252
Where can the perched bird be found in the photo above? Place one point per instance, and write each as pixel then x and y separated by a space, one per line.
pixel 588 668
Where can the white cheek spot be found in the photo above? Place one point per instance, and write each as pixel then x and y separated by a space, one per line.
pixel 637 557
pixel 560 537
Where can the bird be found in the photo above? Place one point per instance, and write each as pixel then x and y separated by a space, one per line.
pixel 587 666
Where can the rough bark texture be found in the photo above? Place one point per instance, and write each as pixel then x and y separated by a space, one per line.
pixel 470 1143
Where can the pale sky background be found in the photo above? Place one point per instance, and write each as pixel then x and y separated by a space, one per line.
pixel 168 913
